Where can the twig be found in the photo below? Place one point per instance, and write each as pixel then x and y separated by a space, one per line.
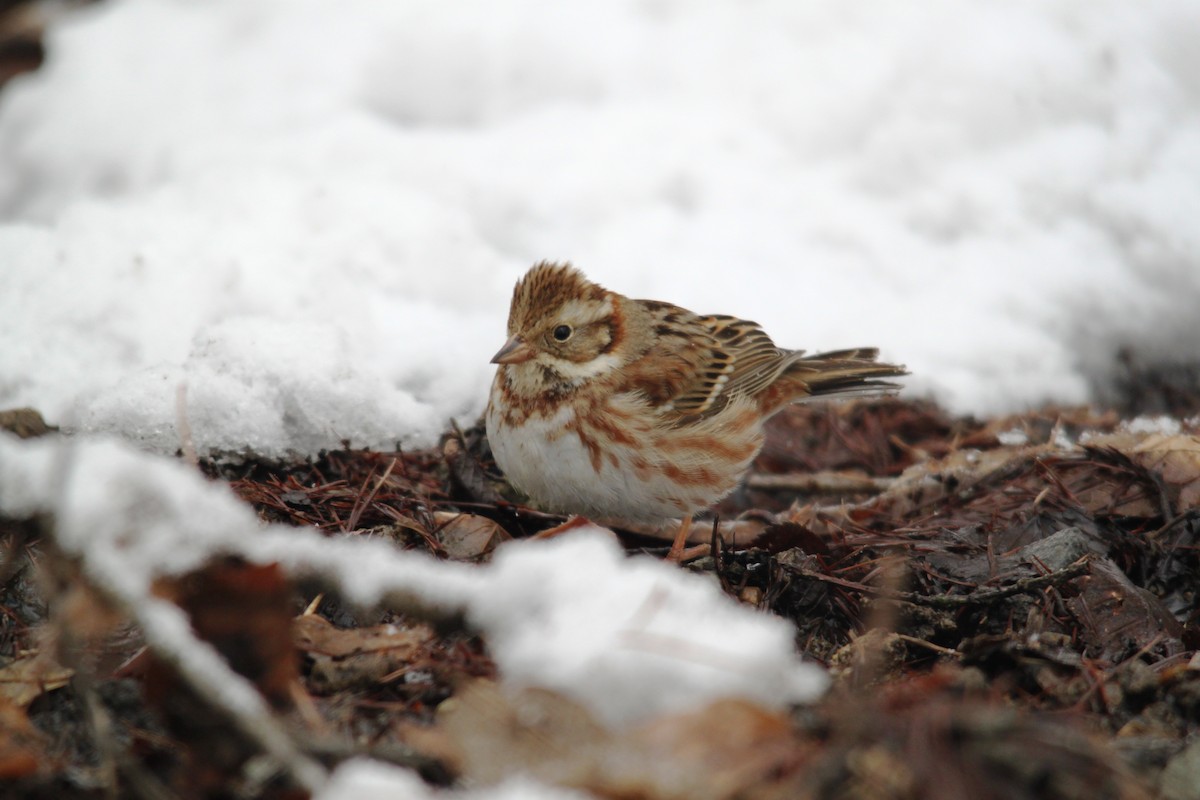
pixel 820 482
pixel 1191 513
pixel 362 504
pixel 937 648
pixel 947 602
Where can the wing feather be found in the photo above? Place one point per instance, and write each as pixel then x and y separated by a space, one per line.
pixel 698 364
pixel 711 358
pixel 740 359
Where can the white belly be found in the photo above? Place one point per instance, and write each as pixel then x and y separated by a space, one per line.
pixel 552 464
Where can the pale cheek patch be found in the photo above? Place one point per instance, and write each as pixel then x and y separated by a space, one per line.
pixel 580 371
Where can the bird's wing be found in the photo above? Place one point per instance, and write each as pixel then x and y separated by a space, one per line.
pixel 698 363
pixel 754 359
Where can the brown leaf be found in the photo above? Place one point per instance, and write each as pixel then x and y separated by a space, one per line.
pixel 732 748
pixel 1118 618
pixel 1177 460
pixel 468 536
pixel 494 733
pixel 244 611
pixel 790 535
pixel 22 746
pixel 358 657
pixel 25 679
pixel 463 537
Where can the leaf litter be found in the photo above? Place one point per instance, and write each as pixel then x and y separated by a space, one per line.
pixel 1007 608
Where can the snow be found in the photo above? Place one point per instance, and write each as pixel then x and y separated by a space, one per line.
pixel 311 213
pixel 1167 426
pixel 625 623
pixel 1161 425
pixel 1014 437
pixel 363 779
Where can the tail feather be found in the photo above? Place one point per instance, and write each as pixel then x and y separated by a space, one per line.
pixel 847 373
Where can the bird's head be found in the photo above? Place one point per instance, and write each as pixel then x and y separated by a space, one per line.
pixel 563 325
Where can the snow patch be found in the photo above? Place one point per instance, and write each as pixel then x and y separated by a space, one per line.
pixel 1166 426
pixel 1013 437
pixel 310 213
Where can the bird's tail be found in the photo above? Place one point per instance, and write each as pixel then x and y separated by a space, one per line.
pixel 846 373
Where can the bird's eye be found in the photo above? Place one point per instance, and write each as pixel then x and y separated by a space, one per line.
pixel 562 332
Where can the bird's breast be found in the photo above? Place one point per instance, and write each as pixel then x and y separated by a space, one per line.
pixel 614 457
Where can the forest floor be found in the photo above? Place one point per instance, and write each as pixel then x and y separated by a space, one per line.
pixel 1008 608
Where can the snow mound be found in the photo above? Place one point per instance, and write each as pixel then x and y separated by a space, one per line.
pixel 309 213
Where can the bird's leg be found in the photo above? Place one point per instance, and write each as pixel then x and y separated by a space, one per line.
pixel 571 524
pixel 685 527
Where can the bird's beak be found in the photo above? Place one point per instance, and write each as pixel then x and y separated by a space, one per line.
pixel 515 351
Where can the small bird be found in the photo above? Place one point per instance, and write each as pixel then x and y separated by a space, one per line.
pixel 626 410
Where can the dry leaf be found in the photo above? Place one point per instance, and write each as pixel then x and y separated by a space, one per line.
pixel 1177 460
pixel 358 657
pixel 22 746
pixel 732 748
pixel 468 536
pixel 462 537
pixel 495 733
pixel 245 611
pixel 1117 618
pixel 25 679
